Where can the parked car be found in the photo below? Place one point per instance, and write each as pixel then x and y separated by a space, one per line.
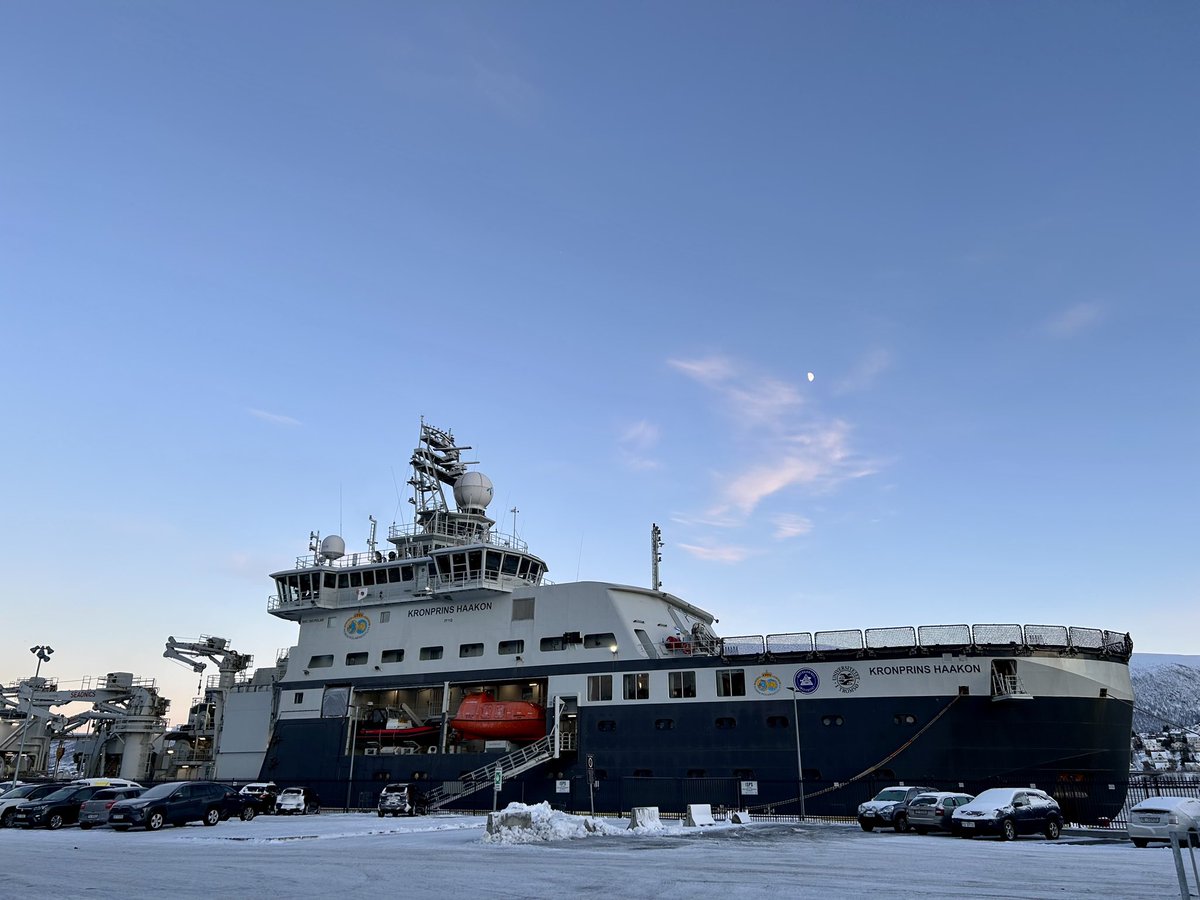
pixel 172 803
pixel 301 800
pixel 106 782
pixel 1156 817
pixel 94 811
pixel 53 810
pixel 236 805
pixel 402 798
pixel 888 807
pixel 932 811
pixel 1009 812
pixel 18 795
pixel 264 794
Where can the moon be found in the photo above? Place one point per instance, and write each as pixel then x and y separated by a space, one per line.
pixel 811 376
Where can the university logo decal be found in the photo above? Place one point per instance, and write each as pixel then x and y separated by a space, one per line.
pixel 806 681
pixel 766 683
pixel 357 625
pixel 846 679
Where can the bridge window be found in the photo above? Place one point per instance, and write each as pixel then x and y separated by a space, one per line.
pixel 731 682
pixel 599 688
pixel 681 684
pixel 343 580
pixel 431 653
pixel 356 659
pixel 406 573
pixel 636 686
pixel 605 640
pixel 509 648
pixel 491 563
pixel 330 580
pixel 511 564
pixel 368 578
pixel 356 579
pixel 392 656
pixel 324 661
pixel 466 650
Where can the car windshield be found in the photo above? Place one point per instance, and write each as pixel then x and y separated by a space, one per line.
pixel 892 794
pixel 18 792
pixel 159 791
pixel 61 794
pixel 924 801
pixel 293 791
pixel 994 797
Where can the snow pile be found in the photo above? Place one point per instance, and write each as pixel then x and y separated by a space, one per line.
pixel 519 823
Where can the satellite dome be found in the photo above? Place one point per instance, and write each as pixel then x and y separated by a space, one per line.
pixel 473 492
pixel 333 547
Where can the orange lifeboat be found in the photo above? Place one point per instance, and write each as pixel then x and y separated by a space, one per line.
pixel 481 716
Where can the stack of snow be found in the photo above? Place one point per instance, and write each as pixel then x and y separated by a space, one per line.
pixel 519 823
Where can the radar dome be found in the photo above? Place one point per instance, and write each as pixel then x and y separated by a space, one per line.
pixel 473 491
pixel 333 547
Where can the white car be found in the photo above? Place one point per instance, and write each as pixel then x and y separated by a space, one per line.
pixel 1156 817
pixel 297 800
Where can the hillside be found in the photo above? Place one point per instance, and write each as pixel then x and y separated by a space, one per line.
pixel 1166 689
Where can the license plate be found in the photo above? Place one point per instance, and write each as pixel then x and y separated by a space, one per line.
pixel 869 814
pixel 968 824
pixel 1148 820
pixel 116 817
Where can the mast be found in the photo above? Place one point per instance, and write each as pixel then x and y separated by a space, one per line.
pixel 656 543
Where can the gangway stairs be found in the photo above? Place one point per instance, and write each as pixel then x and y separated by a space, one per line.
pixel 521 760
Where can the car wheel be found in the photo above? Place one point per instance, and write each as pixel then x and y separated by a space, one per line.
pixel 1008 830
pixel 867 826
pixel 247 813
pixel 381 813
pixel 55 821
pixel 155 821
pixel 6 819
pixel 920 829
pixel 901 824
pixel 212 817
pixel 1053 829
pixel 1140 843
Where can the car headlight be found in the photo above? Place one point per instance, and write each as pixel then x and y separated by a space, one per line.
pixel 862 807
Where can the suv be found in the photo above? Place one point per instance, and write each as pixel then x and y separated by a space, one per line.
pixel 402 797
pixel 932 811
pixel 95 811
pixel 173 803
pixel 20 794
pixel 264 794
pixel 1009 812
pixel 297 800
pixel 56 809
pixel 889 807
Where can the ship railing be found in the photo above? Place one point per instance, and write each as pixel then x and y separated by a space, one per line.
pixel 928 638
pixel 508 766
pixel 458 531
pixel 486 579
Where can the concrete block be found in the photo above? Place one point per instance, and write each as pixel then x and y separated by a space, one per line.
pixel 699 814
pixel 644 817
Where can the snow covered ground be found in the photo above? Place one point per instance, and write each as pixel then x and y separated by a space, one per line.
pixel 360 855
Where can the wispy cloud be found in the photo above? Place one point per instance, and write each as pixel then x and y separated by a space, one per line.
pixel 273 418
pixel 1074 320
pixel 788 525
pixel 726 554
pixel 635 444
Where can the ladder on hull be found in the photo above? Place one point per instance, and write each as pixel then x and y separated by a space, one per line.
pixel 521 760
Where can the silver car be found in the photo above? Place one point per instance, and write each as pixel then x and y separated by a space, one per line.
pixel 933 811
pixel 1156 817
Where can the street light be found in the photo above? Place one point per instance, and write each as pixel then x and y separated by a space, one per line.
pixel 799 759
pixel 353 709
pixel 43 655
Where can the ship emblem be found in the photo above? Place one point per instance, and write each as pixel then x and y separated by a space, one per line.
pixel 766 683
pixel 806 681
pixel 357 625
pixel 846 679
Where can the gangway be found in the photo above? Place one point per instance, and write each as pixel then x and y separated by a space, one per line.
pixel 521 760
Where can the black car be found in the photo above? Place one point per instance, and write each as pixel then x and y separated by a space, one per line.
pixel 22 794
pixel 236 805
pixel 173 803
pixel 56 809
pixel 1009 812
pixel 263 793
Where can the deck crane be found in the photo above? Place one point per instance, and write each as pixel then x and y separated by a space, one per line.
pixel 198 654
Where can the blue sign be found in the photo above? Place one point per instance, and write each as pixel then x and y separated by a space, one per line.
pixel 806 681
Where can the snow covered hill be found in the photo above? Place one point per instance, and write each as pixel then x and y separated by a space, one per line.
pixel 1166 689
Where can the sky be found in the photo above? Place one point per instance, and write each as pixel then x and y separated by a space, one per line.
pixel 336 854
pixel 244 248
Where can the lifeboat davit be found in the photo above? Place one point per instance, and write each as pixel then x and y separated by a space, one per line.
pixel 481 716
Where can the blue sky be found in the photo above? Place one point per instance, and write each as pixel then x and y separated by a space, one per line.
pixel 244 247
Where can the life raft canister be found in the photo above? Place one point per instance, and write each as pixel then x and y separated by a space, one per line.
pixel 676 644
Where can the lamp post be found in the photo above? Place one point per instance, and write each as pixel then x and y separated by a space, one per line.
pixel 353 742
pixel 799 758
pixel 43 655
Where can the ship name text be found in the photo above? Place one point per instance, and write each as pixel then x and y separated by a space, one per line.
pixel 481 606
pixel 927 669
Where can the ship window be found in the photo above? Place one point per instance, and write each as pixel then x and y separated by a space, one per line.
pixel 321 662
pixel 832 720
pixel 368 578
pixel 522 608
pixel 343 580
pixel 726 723
pixel 356 579
pixel 606 725
pixel 511 563
pixel 664 724
pixel 356 659
pixel 777 722
pixel 474 559
pixel 443 564
pixel 406 573
pixel 524 570
pixel 385 616
pixel 393 575
pixel 535 570
pixel 552 643
pixel 392 656
pixel 431 653
pixel 606 640
pixel 681 684
pixel 904 719
pixel 599 688
pixel 731 682
pixel 508 648
pixel 298 697
pixel 330 580
pixel 637 686
pixel 458 564
pixel 465 650
pixel 491 563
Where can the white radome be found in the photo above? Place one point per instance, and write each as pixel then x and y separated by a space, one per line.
pixel 333 547
pixel 473 491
